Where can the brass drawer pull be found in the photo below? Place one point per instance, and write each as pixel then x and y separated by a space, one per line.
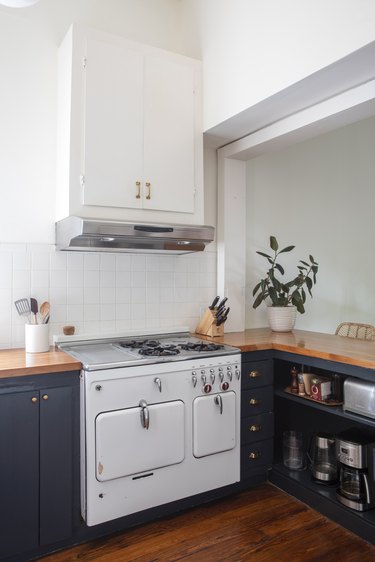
pixel 138 185
pixel 254 374
pixel 254 455
pixel 256 427
pixel 148 185
pixel 254 401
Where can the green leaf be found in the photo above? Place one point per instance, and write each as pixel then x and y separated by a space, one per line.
pixel 258 300
pixel 311 259
pixel 287 249
pixel 309 284
pixel 256 289
pixel 264 255
pixel 279 268
pixel 304 263
pixel 273 244
pixel 303 295
pixel 273 294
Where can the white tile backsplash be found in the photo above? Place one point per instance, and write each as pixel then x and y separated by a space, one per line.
pixel 100 293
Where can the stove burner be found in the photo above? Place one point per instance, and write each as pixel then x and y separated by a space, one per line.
pixel 191 346
pixel 140 344
pixel 159 351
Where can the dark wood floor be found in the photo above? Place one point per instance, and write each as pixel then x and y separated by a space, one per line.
pixel 260 525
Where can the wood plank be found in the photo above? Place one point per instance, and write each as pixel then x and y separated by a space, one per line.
pixel 257 525
pixel 18 363
pixel 352 351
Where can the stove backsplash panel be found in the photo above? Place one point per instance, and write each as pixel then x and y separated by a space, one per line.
pixel 103 292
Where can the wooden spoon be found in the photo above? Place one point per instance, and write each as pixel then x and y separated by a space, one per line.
pixel 44 311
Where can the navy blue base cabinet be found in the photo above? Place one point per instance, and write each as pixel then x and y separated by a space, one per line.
pixel 38 419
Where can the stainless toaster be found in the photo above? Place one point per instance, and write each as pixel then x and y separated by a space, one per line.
pixel 359 397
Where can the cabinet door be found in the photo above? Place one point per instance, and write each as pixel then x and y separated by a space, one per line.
pixel 19 472
pixel 113 124
pixel 168 135
pixel 56 464
pixel 214 424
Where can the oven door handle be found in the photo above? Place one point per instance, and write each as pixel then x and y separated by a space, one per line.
pixel 219 402
pixel 145 415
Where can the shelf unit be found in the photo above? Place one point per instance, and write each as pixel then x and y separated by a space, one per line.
pixel 309 417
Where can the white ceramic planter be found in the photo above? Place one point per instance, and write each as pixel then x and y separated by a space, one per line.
pixel 281 318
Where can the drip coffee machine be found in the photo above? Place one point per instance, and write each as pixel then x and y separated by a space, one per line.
pixel 322 456
pixel 355 453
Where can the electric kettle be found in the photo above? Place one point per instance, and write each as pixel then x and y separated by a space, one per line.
pixel 322 456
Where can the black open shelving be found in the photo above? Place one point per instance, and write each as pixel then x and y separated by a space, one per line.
pixel 334 410
pixel 323 498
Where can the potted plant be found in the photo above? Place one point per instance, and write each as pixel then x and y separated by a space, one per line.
pixel 285 298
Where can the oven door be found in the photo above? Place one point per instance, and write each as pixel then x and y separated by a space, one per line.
pixel 140 439
pixel 214 423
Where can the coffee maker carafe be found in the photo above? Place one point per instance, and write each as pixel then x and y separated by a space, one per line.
pixel 322 456
pixel 355 453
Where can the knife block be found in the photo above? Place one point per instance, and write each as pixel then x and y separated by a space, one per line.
pixel 207 326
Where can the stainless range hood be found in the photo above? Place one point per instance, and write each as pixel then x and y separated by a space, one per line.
pixel 93 235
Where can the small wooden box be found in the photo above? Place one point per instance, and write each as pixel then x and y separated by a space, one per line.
pixel 207 325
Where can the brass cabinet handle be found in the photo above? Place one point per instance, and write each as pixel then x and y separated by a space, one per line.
pixel 254 401
pixel 138 185
pixel 254 455
pixel 45 396
pixel 34 399
pixel 254 374
pixel 148 185
pixel 256 427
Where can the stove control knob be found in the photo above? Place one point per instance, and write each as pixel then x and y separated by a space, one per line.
pixel 212 377
pixel 221 377
pixel 194 380
pixel 230 375
pixel 203 377
pixel 237 373
pixel 224 385
pixel 207 388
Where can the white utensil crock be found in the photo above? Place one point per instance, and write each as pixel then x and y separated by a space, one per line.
pixel 36 338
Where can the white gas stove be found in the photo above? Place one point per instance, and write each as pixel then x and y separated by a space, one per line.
pixel 160 421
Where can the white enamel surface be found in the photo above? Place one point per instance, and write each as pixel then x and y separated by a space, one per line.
pixel 124 447
pixel 214 432
pixel 124 388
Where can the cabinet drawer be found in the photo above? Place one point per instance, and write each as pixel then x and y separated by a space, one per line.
pixel 256 401
pixel 257 373
pixel 256 456
pixel 257 428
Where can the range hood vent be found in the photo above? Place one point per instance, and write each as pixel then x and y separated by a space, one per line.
pixel 92 235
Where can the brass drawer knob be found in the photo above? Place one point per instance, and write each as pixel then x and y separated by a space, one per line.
pixel 256 427
pixel 45 396
pixel 254 401
pixel 254 455
pixel 34 399
pixel 254 374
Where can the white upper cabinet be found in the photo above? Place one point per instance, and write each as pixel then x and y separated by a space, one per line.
pixel 130 135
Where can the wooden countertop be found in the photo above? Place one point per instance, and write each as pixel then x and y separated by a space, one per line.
pixel 18 363
pixel 313 344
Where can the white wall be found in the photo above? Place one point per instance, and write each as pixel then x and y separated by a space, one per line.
pixel 318 195
pixel 253 49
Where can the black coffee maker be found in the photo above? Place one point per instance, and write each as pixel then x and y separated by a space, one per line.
pixel 355 453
